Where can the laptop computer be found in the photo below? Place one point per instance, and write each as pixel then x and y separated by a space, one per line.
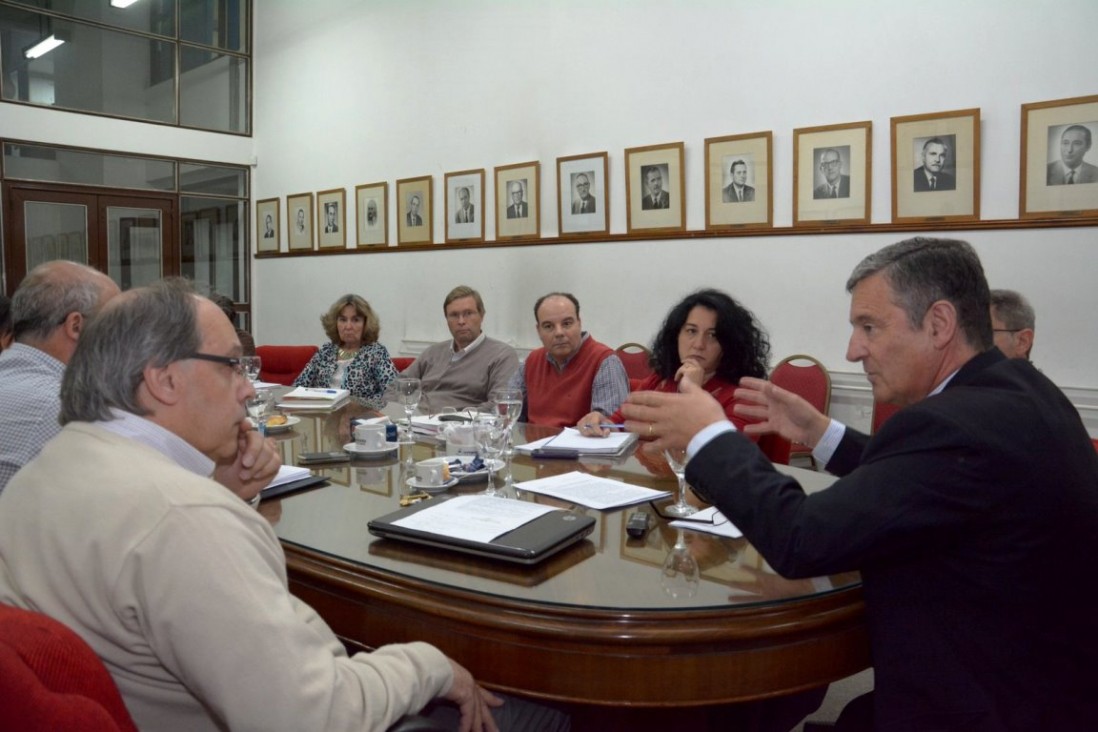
pixel 528 544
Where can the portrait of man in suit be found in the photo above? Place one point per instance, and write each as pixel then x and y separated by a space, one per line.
pixel 268 227
pixel 833 183
pixel 652 177
pixel 582 200
pixel 738 191
pixel 331 214
pixel 299 226
pixel 931 175
pixel 466 213
pixel 1071 168
pixel 518 209
pixel 371 213
pixel 412 217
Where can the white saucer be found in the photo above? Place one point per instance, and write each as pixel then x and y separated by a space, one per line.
pixel 290 422
pixel 412 482
pixel 477 476
pixel 354 449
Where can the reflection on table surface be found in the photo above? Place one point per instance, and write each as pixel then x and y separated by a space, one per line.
pixel 609 570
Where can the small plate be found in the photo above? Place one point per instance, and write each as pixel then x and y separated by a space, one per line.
pixel 354 449
pixel 290 422
pixel 413 483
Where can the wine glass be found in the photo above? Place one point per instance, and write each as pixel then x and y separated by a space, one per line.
pixel 508 406
pixel 490 436
pixel 252 365
pixel 679 576
pixel 409 390
pixel 677 460
pixel 258 407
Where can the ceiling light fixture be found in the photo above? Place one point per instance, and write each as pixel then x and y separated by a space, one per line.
pixel 122 3
pixel 43 47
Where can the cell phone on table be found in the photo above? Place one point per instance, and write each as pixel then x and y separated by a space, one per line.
pixel 313 458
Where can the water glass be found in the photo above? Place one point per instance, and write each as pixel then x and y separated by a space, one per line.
pixel 676 459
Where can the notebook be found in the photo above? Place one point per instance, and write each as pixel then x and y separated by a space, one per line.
pixel 528 544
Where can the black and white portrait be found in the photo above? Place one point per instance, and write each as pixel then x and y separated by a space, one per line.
pixel 832 172
pixel 739 175
pixel 412 215
pixel 331 217
pixel 935 163
pixel 1071 155
pixel 517 208
pixel 654 180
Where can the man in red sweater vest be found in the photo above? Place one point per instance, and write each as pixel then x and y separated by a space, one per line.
pixel 572 374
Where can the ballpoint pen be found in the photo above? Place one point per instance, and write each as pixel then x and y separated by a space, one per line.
pixel 607 426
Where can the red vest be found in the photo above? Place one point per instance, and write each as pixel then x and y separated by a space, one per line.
pixel 557 398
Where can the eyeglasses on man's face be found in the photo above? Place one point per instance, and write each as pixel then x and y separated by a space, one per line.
pixel 235 363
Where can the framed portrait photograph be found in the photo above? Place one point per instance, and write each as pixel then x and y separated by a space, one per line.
pixel 518 215
pixel 414 210
pixel 371 214
pixel 738 179
pixel 936 167
pixel 1059 160
pixel 299 221
pixel 583 194
pixel 331 225
pixel 465 206
pixel 655 188
pixel 267 226
pixel 832 174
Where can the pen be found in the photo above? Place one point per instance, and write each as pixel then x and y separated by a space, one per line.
pixel 607 426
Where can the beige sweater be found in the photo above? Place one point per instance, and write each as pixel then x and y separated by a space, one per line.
pixel 181 589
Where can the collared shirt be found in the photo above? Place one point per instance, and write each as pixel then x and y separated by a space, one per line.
pixel 30 392
pixel 460 353
pixel 609 388
pixel 148 433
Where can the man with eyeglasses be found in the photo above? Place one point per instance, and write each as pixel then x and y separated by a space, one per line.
pixel 50 308
pixel 118 531
pixel 1012 323
pixel 464 370
pixel 835 184
pixel 582 200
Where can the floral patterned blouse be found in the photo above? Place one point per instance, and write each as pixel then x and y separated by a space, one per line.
pixel 367 376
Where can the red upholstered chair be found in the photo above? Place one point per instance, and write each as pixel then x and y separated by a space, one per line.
pixel 806 377
pixel 402 362
pixel 282 364
pixel 634 357
pixel 881 412
pixel 51 680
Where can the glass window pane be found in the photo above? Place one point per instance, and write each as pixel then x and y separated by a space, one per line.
pixel 215 179
pixel 57 165
pixel 133 246
pixel 217 23
pixel 212 245
pixel 94 70
pixel 148 16
pixel 55 231
pixel 213 91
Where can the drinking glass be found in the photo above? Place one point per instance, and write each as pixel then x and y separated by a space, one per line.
pixel 490 436
pixel 258 409
pixel 677 460
pixel 252 365
pixel 508 406
pixel 679 577
pixel 409 391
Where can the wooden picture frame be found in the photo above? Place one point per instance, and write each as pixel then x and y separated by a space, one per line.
pixel 372 214
pixel 936 167
pixel 331 219
pixel 299 222
pixel 832 174
pixel 464 206
pixel 1058 139
pixel 521 218
pixel 739 181
pixel 414 210
pixel 268 236
pixel 583 194
pixel 655 188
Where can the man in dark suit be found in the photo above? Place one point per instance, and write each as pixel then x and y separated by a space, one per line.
pixel 583 202
pixel 268 227
pixel 657 197
pixel 972 514
pixel 1075 142
pixel 412 217
pixel 331 211
pixel 931 176
pixel 835 184
pixel 738 191
pixel 518 208
pixel 466 213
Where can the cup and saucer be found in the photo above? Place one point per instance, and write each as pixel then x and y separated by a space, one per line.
pixel 370 441
pixel 433 476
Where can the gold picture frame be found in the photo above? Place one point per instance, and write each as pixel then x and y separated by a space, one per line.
pixel 1058 139
pixel 268 225
pixel 464 208
pixel 583 194
pixel 832 174
pixel 936 167
pixel 520 218
pixel 331 219
pixel 414 210
pixel 299 222
pixel 655 188
pixel 372 214
pixel 739 181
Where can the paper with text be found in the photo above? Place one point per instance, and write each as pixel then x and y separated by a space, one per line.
pixel 474 518
pixel 591 491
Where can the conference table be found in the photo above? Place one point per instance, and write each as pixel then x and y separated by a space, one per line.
pixel 590 625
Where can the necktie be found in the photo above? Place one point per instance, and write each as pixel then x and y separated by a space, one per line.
pixel 933 182
pixel 739 194
pixel 583 206
pixel 834 191
pixel 1071 177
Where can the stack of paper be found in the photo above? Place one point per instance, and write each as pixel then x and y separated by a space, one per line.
pixel 591 491
pixel 308 398
pixel 428 425
pixel 570 439
pixel 288 474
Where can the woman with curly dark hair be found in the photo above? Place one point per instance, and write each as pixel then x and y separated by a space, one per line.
pixel 708 338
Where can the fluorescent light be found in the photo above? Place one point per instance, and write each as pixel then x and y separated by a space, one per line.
pixel 43 47
pixel 122 3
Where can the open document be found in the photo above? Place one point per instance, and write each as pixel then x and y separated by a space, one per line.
pixel 308 398
pixel 591 491
pixel 570 439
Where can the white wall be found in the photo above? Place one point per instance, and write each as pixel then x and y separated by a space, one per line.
pixel 370 91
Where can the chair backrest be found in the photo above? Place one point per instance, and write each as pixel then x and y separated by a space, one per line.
pixel 634 357
pixel 50 679
pixel 282 364
pixel 881 412
pixel 402 362
pixel 806 377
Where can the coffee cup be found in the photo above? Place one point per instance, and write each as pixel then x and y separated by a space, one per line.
pixel 370 436
pixel 433 472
